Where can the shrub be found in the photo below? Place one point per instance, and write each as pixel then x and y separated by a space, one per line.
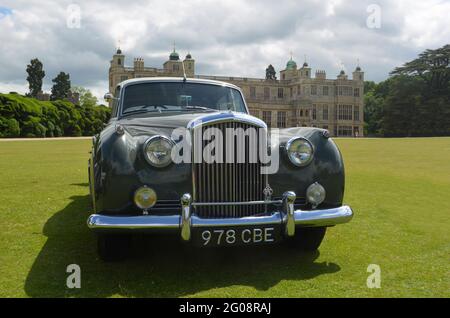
pixel 22 116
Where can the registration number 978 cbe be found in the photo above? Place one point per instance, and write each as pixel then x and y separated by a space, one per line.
pixel 237 236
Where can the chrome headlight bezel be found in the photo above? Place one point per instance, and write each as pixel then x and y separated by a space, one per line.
pixel 306 142
pixel 153 139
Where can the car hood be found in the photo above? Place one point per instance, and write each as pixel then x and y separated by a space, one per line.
pixel 167 122
pixel 155 124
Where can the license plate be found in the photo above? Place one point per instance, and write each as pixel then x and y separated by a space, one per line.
pixel 209 237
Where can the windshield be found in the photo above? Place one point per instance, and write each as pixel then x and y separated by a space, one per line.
pixel 174 96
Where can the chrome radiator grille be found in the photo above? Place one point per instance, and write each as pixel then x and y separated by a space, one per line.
pixel 229 182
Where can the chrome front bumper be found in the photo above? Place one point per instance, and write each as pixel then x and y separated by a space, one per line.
pixel 184 223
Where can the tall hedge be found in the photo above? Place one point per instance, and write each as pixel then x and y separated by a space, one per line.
pixel 22 116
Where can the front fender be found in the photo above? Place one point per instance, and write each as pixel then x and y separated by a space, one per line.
pixel 121 168
pixel 327 167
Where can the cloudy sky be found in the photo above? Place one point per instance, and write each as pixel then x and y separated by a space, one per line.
pixel 236 38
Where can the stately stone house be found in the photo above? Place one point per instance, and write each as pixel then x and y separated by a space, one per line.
pixel 298 98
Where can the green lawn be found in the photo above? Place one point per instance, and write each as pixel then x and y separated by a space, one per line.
pixel 398 188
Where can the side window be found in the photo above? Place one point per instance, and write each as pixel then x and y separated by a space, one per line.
pixel 115 102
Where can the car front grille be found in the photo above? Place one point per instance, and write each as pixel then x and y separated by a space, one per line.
pixel 229 182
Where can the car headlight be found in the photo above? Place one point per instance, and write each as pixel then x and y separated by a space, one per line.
pixel 300 151
pixel 157 151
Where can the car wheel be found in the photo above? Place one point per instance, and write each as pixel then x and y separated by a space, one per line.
pixel 307 238
pixel 113 247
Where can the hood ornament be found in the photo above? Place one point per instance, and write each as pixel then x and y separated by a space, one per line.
pixel 267 193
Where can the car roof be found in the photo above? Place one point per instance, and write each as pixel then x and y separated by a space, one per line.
pixel 142 80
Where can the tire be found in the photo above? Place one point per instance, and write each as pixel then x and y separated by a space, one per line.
pixel 307 238
pixel 113 247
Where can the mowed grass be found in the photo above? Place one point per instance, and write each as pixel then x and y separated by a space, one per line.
pixel 399 190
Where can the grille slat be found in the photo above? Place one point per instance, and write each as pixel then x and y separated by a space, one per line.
pixel 228 182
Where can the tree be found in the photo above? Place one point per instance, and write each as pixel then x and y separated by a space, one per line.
pixel 404 113
pixel 432 66
pixel 270 73
pixel 35 75
pixel 373 113
pixel 61 86
pixel 432 71
pixel 86 97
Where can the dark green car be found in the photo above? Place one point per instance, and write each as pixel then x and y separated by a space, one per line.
pixel 184 156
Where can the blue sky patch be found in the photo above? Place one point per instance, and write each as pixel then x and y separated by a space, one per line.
pixel 4 11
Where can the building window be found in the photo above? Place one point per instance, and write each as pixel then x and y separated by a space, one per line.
pixel 345 112
pixel 291 92
pixel 301 112
pixel 307 113
pixel 325 91
pixel 313 90
pixel 298 90
pixel 306 73
pixel 176 67
pixel 280 92
pixel 267 118
pixel 345 91
pixel 325 127
pixel 314 112
pixel 119 61
pixel 356 92
pixel 281 119
pixel 356 113
pixel 325 112
pixel 252 92
pixel 254 112
pixel 266 93
pixel 123 78
pixel 345 131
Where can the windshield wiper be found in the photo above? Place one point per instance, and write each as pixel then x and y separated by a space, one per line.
pixel 159 108
pixel 143 107
pixel 199 107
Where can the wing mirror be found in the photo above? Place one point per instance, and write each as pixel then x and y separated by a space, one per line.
pixel 109 96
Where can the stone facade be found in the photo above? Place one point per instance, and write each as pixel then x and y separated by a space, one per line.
pixel 297 99
pixel 72 97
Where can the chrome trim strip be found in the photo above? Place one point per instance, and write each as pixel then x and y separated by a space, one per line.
pixel 236 203
pixel 274 218
pixel 223 117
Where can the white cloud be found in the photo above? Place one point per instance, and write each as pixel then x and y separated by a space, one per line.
pixel 226 38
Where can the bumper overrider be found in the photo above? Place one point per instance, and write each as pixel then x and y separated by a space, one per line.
pixel 288 218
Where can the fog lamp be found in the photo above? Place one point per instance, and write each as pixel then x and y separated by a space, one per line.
pixel 315 194
pixel 145 197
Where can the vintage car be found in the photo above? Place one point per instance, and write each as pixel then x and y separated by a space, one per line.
pixel 137 187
